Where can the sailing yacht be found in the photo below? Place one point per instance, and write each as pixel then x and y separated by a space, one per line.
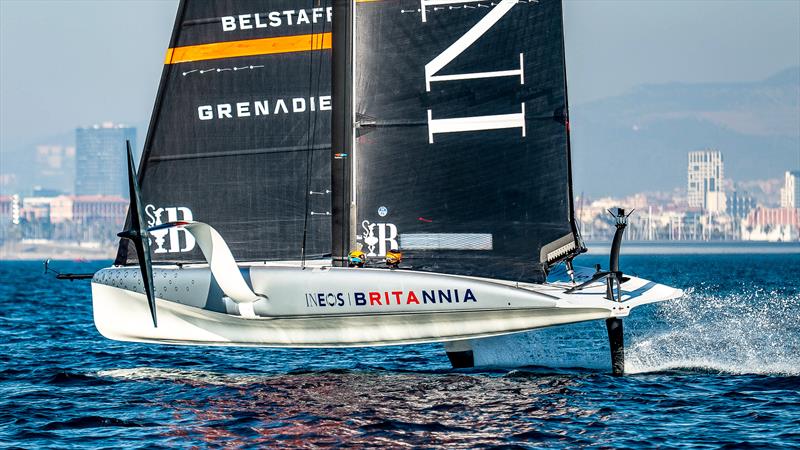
pixel 361 173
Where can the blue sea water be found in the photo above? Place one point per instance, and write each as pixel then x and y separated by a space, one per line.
pixel 719 368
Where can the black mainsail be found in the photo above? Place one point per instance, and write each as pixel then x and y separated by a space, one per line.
pixel 461 155
pixel 239 134
pixel 450 134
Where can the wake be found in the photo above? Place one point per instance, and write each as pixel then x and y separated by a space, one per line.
pixel 181 376
pixel 755 332
pixel 746 332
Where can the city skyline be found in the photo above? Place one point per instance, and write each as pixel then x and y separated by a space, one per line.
pixel 711 209
pixel 609 72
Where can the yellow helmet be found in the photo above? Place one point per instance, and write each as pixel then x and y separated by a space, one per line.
pixel 393 258
pixel 356 258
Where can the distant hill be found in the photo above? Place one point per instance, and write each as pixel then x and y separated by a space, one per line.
pixel 638 141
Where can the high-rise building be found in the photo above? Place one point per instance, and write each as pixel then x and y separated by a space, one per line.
pixel 772 224
pixel 101 166
pixel 55 167
pixel 705 181
pixel 790 192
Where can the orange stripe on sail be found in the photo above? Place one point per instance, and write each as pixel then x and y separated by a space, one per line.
pixel 250 47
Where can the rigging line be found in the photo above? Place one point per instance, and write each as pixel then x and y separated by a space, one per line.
pixel 311 139
pixel 308 162
pixel 225 154
pixel 349 168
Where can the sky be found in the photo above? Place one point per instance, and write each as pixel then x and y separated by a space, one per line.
pixel 75 63
pixel 612 46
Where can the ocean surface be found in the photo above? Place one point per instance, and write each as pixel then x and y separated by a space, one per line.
pixel 719 368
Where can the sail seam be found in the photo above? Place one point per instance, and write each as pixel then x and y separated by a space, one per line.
pixel 239 153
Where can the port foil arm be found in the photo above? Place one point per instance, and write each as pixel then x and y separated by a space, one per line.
pixel 220 260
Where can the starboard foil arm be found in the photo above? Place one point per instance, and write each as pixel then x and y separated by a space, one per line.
pixel 221 262
pixel 634 291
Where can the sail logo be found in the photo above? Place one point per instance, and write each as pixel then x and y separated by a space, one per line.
pixel 169 240
pixel 264 108
pixel 389 298
pixel 380 236
pixel 276 19
pixel 435 66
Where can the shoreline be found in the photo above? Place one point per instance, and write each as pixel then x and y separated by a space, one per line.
pixel 695 247
pixel 55 250
pixel 19 251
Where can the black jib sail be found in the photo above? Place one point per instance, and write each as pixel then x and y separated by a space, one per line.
pixel 461 154
pixel 240 133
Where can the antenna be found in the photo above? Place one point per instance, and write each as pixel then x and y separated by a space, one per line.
pixel 65 276
pixel 580 216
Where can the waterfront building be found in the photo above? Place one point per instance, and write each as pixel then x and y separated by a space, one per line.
pixel 81 218
pixel 36 209
pixel 739 204
pixel 771 224
pixel 6 206
pixel 790 192
pixel 101 161
pixel 78 209
pixel 61 209
pixel 99 208
pixel 705 181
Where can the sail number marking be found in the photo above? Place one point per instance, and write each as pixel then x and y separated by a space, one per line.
pixel 473 123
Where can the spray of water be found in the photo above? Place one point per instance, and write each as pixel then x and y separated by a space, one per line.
pixel 748 331
pixel 743 331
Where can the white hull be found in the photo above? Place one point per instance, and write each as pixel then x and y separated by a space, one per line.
pixel 413 307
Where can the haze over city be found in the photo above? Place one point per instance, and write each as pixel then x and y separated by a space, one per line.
pixel 652 85
pixel 648 82
pixel 393 224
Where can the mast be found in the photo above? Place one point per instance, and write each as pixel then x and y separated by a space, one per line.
pixel 342 130
pixel 571 194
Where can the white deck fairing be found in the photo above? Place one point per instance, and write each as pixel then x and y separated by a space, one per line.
pixel 332 307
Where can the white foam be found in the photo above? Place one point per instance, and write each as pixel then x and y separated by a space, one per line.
pixel 754 332
pixel 179 376
pixel 749 332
